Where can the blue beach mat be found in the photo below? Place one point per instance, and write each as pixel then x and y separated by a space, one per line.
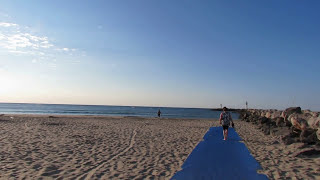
pixel 214 158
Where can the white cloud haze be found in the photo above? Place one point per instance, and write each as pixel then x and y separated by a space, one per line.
pixel 19 40
pixel 5 24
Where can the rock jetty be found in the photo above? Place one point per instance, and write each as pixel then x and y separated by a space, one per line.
pixel 292 125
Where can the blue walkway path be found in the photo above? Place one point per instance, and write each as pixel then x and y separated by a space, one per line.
pixel 214 158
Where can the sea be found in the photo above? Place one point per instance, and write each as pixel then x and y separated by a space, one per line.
pixel 105 110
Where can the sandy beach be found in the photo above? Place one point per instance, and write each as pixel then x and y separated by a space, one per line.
pixel 278 161
pixel 97 147
pixel 88 147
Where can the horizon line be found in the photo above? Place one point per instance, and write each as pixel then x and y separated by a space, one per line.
pixel 106 105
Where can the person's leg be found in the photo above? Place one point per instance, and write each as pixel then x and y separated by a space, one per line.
pixel 223 131
pixel 226 134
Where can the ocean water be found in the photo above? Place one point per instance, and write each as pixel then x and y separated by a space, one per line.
pixel 62 109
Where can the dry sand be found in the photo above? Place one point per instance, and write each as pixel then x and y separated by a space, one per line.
pixel 278 160
pixel 93 147
pixel 88 147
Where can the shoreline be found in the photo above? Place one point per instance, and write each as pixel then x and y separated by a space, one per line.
pixel 102 116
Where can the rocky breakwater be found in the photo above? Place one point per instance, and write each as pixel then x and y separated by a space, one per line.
pixel 292 125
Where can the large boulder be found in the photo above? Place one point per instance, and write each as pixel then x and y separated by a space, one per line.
pixel 243 115
pixel 254 118
pixel 298 122
pixel 316 114
pixel 263 120
pixel 287 123
pixel 310 113
pixel 276 114
pixel 308 136
pixel 314 122
pixel 279 121
pixel 318 134
pixel 294 132
pixel 286 113
pixel 312 119
pixel 268 114
pixel 306 111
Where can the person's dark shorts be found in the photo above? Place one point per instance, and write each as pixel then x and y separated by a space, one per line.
pixel 225 127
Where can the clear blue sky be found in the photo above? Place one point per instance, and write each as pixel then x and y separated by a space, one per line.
pixel 161 53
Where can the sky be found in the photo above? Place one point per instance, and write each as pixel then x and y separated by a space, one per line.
pixel 161 53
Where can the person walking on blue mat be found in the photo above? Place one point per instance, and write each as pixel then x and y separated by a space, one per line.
pixel 225 118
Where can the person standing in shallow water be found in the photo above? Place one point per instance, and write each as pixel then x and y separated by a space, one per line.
pixel 159 113
pixel 225 118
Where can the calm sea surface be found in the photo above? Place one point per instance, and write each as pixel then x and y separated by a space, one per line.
pixel 21 108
